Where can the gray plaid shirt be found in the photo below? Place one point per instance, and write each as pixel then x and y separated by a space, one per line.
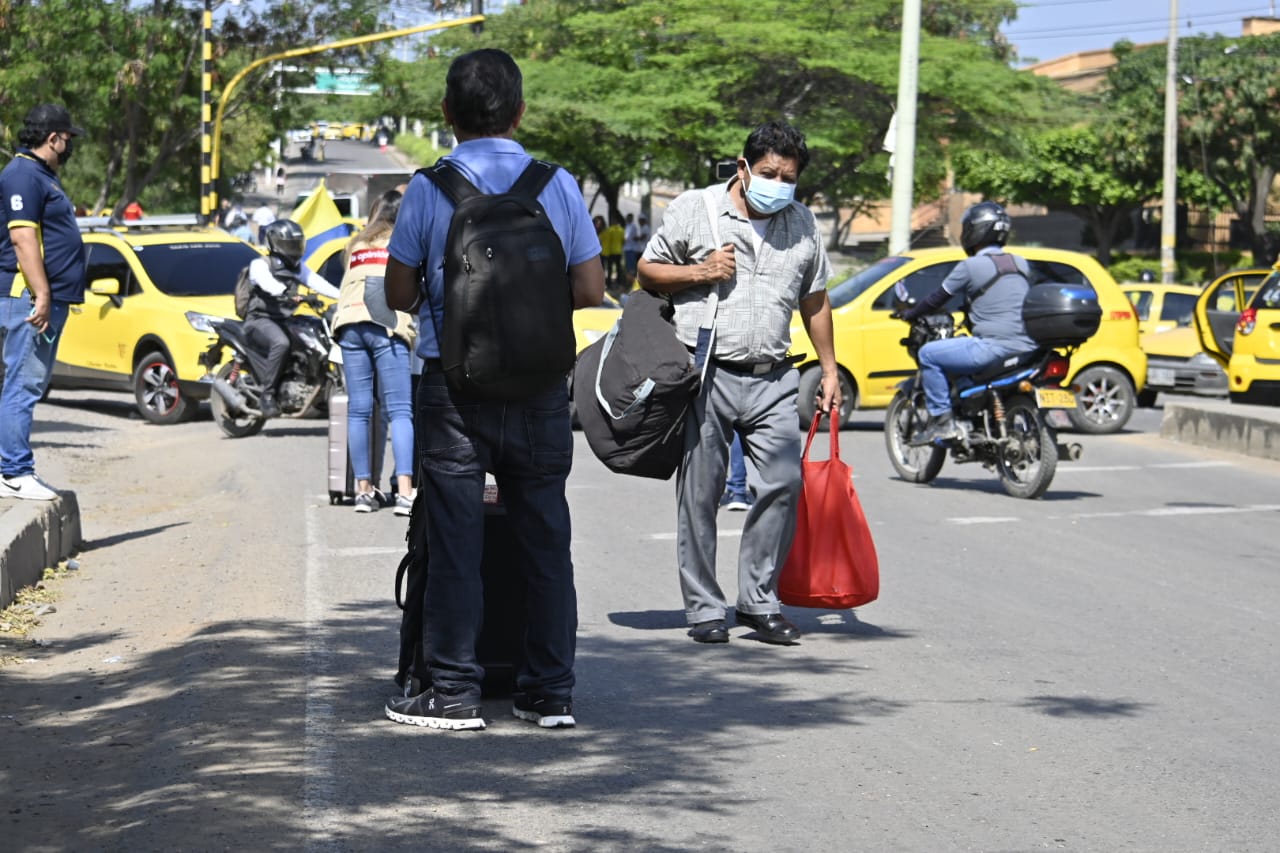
pixel 753 321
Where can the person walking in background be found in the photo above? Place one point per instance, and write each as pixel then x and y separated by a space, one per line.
pixel 132 211
pixel 635 238
pixel 42 274
pixel 767 262
pixel 737 497
pixel 280 178
pixel 611 242
pixel 527 444
pixel 263 216
pixel 376 348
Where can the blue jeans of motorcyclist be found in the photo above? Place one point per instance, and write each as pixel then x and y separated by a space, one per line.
pixel 369 352
pixel 528 446
pixel 28 365
pixel 955 357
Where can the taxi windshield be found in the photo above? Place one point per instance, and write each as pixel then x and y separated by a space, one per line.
pixel 195 268
pixel 857 284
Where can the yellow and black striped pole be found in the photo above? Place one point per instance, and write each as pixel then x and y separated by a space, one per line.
pixel 208 193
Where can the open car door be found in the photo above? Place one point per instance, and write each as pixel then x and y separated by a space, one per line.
pixel 1218 309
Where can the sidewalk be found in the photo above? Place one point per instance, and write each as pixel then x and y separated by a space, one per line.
pixel 1221 425
pixel 35 535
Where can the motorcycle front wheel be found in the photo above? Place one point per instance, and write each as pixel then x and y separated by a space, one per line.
pixel 1028 459
pixel 901 422
pixel 234 424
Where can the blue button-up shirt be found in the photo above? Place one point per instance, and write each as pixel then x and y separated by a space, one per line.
pixel 31 197
pixel 492 164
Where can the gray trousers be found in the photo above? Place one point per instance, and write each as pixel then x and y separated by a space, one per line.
pixel 763 410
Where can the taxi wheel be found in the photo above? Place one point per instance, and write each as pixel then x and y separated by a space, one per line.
pixel 1105 401
pixel 811 384
pixel 155 387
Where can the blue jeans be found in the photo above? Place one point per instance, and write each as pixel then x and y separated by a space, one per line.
pixel 367 350
pixel 28 364
pixel 736 486
pixel 962 356
pixel 528 446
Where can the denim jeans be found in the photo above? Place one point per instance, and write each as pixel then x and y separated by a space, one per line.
pixel 528 447
pixel 28 364
pixel 736 485
pixel 368 351
pixel 956 357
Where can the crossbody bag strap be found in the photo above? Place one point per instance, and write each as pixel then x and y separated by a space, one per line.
pixel 707 331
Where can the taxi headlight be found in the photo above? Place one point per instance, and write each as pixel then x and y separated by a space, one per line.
pixel 203 322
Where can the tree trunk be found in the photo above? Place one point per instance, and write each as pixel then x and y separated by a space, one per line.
pixel 1264 247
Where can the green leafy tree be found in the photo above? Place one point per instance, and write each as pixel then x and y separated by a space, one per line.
pixel 1087 170
pixel 133 82
pixel 1229 127
pixel 677 84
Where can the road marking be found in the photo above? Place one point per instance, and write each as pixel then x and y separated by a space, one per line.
pixel 366 551
pixel 670 537
pixel 319 744
pixel 1096 469
pixel 1154 512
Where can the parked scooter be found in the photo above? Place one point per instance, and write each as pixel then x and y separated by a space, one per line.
pixel 307 379
pixel 1000 413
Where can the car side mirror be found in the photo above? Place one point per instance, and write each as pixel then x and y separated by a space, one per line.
pixel 105 286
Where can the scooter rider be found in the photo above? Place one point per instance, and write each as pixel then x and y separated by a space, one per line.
pixel 994 284
pixel 275 296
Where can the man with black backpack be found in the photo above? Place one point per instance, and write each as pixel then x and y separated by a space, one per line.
pixel 994 284
pixel 493 250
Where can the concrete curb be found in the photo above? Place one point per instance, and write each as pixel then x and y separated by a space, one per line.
pixel 1249 430
pixel 34 536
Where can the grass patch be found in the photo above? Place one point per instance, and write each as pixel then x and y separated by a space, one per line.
pixel 20 618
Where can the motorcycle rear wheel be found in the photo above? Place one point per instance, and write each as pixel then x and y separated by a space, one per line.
pixel 913 464
pixel 1027 463
pixel 232 424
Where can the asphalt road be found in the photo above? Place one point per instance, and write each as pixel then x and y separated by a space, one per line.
pixel 1092 671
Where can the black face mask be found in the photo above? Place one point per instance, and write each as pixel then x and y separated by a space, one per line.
pixel 65 154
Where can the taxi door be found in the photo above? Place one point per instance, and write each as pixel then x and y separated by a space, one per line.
pixel 1218 309
pixel 96 342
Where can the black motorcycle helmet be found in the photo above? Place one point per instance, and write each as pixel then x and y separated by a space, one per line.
pixel 285 240
pixel 984 224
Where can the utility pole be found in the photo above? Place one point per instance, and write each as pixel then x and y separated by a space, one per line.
pixel 1169 202
pixel 904 146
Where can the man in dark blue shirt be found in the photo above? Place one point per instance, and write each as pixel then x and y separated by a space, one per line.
pixel 42 274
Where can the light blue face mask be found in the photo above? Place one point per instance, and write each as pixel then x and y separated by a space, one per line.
pixel 768 196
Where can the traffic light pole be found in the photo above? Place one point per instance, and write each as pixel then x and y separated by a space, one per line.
pixel 209 194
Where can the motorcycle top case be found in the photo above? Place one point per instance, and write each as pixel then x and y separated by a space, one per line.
pixel 1061 314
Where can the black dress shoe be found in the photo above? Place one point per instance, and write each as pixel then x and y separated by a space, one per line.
pixel 772 627
pixel 712 631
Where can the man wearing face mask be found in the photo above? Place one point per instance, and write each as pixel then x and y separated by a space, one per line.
pixel 42 274
pixel 762 260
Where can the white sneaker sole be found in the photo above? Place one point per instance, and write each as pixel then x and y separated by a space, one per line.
pixel 434 722
pixel 26 494
pixel 560 721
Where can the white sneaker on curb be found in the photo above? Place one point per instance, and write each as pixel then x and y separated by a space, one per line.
pixel 27 487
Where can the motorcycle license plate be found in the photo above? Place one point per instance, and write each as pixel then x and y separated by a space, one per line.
pixel 1055 398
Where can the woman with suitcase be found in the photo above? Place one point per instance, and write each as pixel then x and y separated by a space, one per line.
pixel 376 345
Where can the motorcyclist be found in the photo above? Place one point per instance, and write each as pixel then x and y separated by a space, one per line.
pixel 275 296
pixel 994 284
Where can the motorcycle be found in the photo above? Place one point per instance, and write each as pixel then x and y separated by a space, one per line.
pixel 1000 413
pixel 308 377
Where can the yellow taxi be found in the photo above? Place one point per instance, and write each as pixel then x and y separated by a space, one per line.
pixel 1107 370
pixel 1238 321
pixel 1176 363
pixel 153 285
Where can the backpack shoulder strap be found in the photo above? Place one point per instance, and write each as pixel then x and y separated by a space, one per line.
pixel 533 179
pixel 1005 265
pixel 450 180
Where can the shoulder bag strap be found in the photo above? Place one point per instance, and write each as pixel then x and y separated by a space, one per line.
pixel 707 331
pixel 451 181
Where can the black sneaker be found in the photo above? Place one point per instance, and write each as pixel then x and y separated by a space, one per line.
pixel 436 711
pixel 548 713
pixel 938 428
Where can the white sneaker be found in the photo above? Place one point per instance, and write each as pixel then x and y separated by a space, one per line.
pixel 404 503
pixel 27 487
pixel 367 502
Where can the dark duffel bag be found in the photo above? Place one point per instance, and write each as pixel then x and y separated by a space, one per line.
pixel 632 389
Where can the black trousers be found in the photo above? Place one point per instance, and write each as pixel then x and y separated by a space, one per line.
pixel 271 340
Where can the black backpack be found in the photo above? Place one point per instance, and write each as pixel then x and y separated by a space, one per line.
pixel 244 292
pixel 508 305
pixel 632 389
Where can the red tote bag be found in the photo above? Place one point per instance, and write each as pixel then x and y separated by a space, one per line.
pixel 832 564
